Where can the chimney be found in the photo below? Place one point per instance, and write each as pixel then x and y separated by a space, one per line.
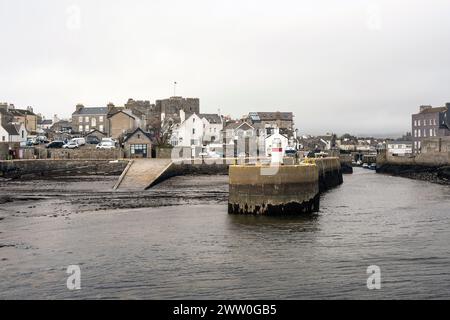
pixel 79 107
pixel 182 116
pixel 55 118
pixel 110 106
pixel 30 109
pixel 423 108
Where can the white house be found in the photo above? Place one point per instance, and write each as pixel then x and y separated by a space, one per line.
pixel 400 148
pixel 189 132
pixel 13 132
pixel 212 128
pixel 197 130
pixel 269 141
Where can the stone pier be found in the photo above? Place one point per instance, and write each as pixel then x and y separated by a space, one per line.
pixel 292 189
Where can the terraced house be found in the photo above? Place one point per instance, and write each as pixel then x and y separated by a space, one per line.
pixel 86 119
pixel 430 123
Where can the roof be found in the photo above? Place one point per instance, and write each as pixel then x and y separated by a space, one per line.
pixel 11 129
pixel 126 112
pixel 92 111
pixel 147 134
pixel 236 125
pixel 268 116
pixel 212 118
pixel 44 122
pixel 400 142
pixel 434 110
pixel 21 112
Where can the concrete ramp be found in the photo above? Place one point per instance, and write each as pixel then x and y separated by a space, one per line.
pixel 140 174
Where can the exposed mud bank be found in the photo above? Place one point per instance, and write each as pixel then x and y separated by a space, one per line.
pixel 440 175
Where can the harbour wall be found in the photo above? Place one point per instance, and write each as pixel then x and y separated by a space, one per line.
pixel 16 169
pixel 293 189
pixel 429 166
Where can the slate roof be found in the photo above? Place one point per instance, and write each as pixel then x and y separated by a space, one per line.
pixel 45 122
pixel 147 134
pixel 235 125
pixel 270 116
pixel 212 118
pixel 92 111
pixel 11 129
pixel 21 112
pixel 434 110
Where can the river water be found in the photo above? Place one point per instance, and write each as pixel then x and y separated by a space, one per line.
pixel 178 242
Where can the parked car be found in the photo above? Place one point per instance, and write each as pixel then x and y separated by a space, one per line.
pixel 106 145
pixel 79 141
pixel 92 140
pixel 71 145
pixel 55 145
pixel 109 140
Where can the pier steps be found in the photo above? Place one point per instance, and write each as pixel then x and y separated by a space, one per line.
pixel 142 173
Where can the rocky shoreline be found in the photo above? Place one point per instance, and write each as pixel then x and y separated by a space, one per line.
pixel 439 175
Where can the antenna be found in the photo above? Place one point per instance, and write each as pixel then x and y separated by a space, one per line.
pixel 175 89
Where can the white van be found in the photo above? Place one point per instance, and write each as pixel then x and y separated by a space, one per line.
pixel 79 141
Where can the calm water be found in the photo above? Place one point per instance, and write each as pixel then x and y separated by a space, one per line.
pixel 198 251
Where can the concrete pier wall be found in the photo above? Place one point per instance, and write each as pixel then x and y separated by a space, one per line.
pixel 16 169
pixel 294 189
pixel 330 172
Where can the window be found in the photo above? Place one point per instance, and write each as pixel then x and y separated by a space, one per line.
pixel 419 132
pixel 86 119
pixel 100 128
pixel 431 122
pixel 434 131
pixel 23 134
pixel 415 133
pixel 80 129
pixel 431 132
pixel 3 138
pixel 100 119
pixel 193 120
pixel 418 123
pixel 415 123
pixel 80 120
pixel 193 131
pixel 86 128
pixel 94 122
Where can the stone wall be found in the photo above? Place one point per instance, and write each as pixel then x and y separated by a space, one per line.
pixel 293 189
pixel 46 168
pixel 80 154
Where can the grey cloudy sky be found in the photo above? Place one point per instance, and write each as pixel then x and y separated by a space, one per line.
pixel 343 66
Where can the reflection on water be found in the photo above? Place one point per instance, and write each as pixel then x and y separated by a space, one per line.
pixel 198 251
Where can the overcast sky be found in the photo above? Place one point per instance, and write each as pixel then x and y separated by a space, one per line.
pixel 341 66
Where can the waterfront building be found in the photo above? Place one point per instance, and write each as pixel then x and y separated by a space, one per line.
pixel 13 132
pixel 269 121
pixel 86 119
pixel 428 123
pixel 272 139
pixel 212 128
pixel 25 116
pixel 122 121
pixel 138 144
pixel 400 148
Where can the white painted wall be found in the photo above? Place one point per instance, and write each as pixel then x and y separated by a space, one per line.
pixel 269 142
pixel 190 129
pixel 400 149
